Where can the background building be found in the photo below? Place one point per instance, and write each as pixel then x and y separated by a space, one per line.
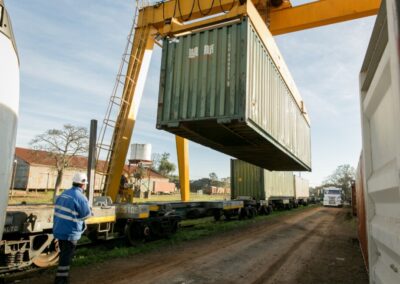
pixel 35 170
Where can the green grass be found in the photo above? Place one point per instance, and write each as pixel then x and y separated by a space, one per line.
pixel 31 197
pixel 192 230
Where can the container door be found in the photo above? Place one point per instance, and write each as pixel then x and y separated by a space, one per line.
pixel 380 112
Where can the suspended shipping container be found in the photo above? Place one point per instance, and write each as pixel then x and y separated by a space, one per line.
pixel 248 180
pixel 380 117
pixel 229 89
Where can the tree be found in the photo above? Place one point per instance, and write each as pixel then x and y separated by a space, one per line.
pixel 214 179
pixel 226 182
pixel 200 184
pixel 62 145
pixel 155 161
pixel 342 177
pixel 165 167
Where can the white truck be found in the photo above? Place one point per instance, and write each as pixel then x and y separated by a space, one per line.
pixel 333 197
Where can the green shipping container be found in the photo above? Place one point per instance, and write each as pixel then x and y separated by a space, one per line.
pixel 259 184
pixel 222 88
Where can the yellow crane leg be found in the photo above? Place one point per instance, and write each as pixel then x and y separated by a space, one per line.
pixel 138 67
pixel 319 13
pixel 182 149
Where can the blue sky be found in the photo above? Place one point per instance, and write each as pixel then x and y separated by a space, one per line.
pixel 70 52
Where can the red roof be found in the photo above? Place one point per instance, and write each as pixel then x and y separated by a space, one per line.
pixel 38 157
pixel 43 158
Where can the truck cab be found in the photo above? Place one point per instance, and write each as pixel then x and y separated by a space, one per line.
pixel 333 197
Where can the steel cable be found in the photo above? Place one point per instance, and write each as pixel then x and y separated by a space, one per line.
pixel 191 11
pixel 230 9
pixel 163 9
pixel 209 10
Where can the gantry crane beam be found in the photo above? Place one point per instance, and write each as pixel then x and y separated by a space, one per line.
pixel 283 19
pixel 159 15
pixel 319 13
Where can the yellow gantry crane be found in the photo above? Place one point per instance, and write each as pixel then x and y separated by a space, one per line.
pixel 167 18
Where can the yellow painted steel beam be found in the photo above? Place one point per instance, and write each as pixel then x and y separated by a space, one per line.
pixel 102 219
pixel 176 27
pixel 320 13
pixel 182 149
pixel 143 44
pixel 184 10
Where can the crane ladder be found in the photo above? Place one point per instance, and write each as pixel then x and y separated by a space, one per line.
pixel 121 99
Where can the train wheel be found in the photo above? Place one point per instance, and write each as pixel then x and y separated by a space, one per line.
pixel 46 259
pixel 228 215
pixel 264 210
pixel 134 234
pixel 193 214
pixel 244 213
pixel 49 256
pixel 151 232
pixel 93 236
pixel 174 226
pixel 253 212
pixel 217 215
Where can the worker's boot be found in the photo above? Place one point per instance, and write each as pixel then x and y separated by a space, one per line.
pixel 61 280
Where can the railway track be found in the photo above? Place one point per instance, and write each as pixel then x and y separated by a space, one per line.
pixel 34 271
pixel 17 275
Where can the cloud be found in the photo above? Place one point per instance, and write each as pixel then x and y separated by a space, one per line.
pixel 64 74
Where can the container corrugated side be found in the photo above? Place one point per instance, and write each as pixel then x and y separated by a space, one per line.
pixel 302 188
pixel 380 115
pixel 246 180
pixel 259 184
pixel 223 89
pixel 270 102
pixel 353 199
pixel 278 185
pixel 203 76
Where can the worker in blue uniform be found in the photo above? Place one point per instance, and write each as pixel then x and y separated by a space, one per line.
pixel 70 211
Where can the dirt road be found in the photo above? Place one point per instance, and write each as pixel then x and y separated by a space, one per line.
pixel 314 246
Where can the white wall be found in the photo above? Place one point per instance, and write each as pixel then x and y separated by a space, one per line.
pixel 380 113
